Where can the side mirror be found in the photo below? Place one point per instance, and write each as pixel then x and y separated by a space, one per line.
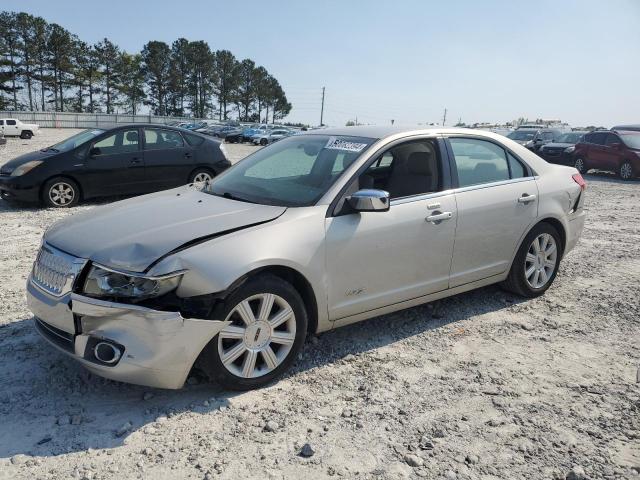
pixel 368 200
pixel 94 152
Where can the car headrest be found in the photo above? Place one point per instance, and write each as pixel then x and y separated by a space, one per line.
pixel 132 137
pixel 485 168
pixel 419 163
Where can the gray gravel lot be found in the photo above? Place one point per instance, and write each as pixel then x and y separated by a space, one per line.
pixel 479 386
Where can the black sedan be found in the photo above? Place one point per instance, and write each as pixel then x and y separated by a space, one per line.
pixel 124 160
pixel 561 150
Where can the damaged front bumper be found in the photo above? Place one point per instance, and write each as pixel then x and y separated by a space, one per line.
pixel 150 347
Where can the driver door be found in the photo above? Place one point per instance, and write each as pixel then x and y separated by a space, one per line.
pixel 375 259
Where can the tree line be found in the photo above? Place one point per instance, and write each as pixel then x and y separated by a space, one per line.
pixel 45 67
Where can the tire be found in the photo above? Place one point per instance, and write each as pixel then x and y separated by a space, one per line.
pixel 537 266
pixel 26 135
pixel 201 175
pixel 580 165
pixel 626 171
pixel 60 192
pixel 270 357
pixel 263 141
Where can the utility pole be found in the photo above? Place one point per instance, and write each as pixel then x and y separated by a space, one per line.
pixel 322 108
pixel 444 117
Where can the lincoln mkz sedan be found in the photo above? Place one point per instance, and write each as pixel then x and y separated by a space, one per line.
pixel 311 233
pixel 125 160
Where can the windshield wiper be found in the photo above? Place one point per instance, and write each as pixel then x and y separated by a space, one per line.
pixel 232 196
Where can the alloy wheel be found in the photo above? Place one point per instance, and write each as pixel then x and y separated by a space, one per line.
pixel 260 336
pixel 540 261
pixel 202 178
pixel 626 171
pixel 579 165
pixel 61 194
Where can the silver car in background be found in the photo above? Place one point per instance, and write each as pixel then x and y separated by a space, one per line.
pixel 270 136
pixel 314 232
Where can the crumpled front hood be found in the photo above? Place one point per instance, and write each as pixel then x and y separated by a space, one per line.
pixel 133 233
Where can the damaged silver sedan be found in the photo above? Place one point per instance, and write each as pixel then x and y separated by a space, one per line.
pixel 311 233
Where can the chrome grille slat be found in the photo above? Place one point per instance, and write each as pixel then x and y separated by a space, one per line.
pixel 55 271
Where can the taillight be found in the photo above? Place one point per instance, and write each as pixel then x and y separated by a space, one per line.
pixel 580 181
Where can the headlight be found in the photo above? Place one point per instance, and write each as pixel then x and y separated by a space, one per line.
pixel 223 149
pixel 569 149
pixel 529 144
pixel 25 167
pixel 102 282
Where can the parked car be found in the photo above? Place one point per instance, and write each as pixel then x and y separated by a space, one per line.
pixel 561 150
pixel 12 127
pixel 234 136
pixel 222 131
pixel 533 138
pixel 313 232
pixel 125 160
pixel 255 129
pixel 614 151
pixel 270 136
pixel 629 128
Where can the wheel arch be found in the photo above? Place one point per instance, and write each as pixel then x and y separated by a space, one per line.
pixel 201 167
pixel 68 177
pixel 558 225
pixel 298 281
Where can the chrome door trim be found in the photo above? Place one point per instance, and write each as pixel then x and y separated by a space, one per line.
pixel 493 184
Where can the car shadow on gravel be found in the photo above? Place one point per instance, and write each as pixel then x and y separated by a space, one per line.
pixel 55 407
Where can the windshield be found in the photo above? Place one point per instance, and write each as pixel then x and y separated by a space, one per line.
pixel 631 140
pixel 569 138
pixel 522 135
pixel 76 140
pixel 294 172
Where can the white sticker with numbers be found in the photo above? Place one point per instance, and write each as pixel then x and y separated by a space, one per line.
pixel 337 144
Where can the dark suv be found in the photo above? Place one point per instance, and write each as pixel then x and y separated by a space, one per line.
pixel 534 138
pixel 561 150
pixel 615 151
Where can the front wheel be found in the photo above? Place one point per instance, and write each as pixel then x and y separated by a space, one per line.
pixel 263 141
pixel 536 263
pixel 60 192
pixel 626 171
pixel 580 165
pixel 268 325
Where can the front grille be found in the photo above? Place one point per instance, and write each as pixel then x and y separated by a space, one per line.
pixel 59 337
pixel 553 152
pixel 55 271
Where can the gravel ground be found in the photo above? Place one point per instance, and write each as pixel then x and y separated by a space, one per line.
pixel 479 386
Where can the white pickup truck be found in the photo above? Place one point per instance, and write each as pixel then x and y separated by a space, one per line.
pixel 12 127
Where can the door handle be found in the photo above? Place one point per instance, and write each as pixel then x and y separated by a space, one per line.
pixel 134 161
pixel 438 217
pixel 187 155
pixel 526 198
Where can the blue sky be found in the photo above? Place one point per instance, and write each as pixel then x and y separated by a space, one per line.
pixel 407 60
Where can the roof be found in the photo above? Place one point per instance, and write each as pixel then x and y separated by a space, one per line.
pixel 383 131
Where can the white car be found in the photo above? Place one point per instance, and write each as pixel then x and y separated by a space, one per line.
pixel 12 127
pixel 314 232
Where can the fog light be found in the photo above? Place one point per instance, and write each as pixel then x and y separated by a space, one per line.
pixel 106 352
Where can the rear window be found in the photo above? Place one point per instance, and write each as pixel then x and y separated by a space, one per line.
pixel 193 140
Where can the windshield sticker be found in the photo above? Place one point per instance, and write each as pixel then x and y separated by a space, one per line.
pixel 337 144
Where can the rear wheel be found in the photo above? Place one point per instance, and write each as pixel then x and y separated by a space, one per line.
pixel 580 165
pixel 60 192
pixel 268 325
pixel 26 134
pixel 201 176
pixel 626 170
pixel 536 264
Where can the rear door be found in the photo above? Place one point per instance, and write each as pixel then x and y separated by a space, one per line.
pixel 597 157
pixel 613 154
pixel 168 158
pixel 497 202
pixel 115 164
